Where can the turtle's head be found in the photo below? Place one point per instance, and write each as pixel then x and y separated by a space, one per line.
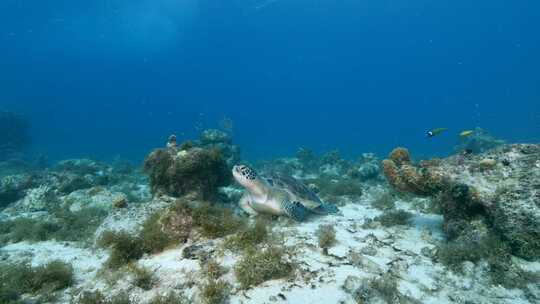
pixel 247 177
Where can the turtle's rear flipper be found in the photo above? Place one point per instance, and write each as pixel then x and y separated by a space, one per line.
pixel 295 210
pixel 326 208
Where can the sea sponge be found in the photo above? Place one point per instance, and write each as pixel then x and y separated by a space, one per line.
pixel 400 156
pixel 411 178
pixel 391 172
pixel 405 177
pixel 196 170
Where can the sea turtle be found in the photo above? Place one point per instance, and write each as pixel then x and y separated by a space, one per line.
pixel 278 194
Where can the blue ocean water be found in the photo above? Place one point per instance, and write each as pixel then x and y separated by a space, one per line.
pixel 110 77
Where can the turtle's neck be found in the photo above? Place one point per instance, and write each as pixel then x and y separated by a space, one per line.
pixel 259 188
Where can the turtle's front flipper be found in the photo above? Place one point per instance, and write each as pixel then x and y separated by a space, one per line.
pixel 295 210
pixel 326 208
pixel 244 204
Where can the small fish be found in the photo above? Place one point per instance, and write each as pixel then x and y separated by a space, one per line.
pixel 435 132
pixel 466 133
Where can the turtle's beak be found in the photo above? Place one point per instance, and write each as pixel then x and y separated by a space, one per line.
pixel 236 172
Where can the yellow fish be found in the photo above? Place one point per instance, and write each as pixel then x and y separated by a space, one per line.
pixel 466 133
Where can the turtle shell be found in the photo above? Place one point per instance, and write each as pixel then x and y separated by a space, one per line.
pixel 298 190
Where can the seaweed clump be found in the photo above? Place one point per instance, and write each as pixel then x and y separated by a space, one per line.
pixel 216 221
pixel 258 266
pixel 171 298
pixel 21 278
pixel 215 291
pixel 394 218
pixel 249 236
pixel 489 247
pixel 385 201
pixel 173 226
pixel 326 236
pixel 384 287
pixel 96 297
pixel 143 277
pixel 198 171
pixel 126 247
pixel 212 269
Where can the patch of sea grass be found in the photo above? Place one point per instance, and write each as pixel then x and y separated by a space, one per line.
pixel 395 218
pixel 249 236
pixel 258 266
pixel 43 281
pixel 215 220
pixel 215 291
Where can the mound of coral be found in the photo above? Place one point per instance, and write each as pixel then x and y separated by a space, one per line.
pixel 498 191
pixel 189 170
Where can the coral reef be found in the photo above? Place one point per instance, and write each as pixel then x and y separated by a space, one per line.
pixel 14 136
pixel 199 171
pixel 474 236
pixel 503 199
